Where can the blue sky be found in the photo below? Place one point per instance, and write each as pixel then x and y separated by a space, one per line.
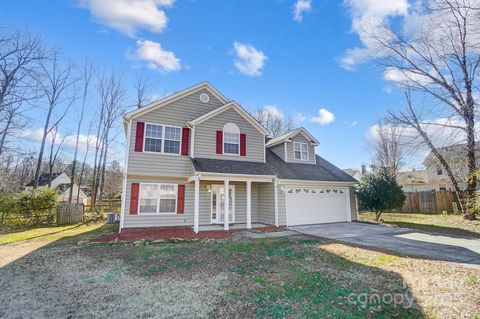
pixel 299 64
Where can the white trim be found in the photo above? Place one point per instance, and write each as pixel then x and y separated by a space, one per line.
pixel 275 196
pixel 264 150
pixel 287 136
pixel 232 104
pixel 286 152
pixel 196 212
pixel 349 207
pixel 164 126
pixel 192 143
pixel 125 177
pixel 158 199
pixel 174 97
pixel 301 152
pixel 304 182
pixel 249 204
pixel 218 187
pixel 232 177
pixel 223 140
pixel 226 223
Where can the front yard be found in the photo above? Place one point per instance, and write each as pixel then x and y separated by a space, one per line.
pixel 449 224
pixel 293 277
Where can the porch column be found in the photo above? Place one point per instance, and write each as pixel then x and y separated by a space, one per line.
pixel 275 194
pixel 196 211
pixel 249 204
pixel 226 225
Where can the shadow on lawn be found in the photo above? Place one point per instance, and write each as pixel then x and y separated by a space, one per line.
pixel 450 231
pixel 272 278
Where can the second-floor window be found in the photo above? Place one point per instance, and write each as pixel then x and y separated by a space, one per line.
pixel 439 170
pixel 162 139
pixel 301 151
pixel 231 139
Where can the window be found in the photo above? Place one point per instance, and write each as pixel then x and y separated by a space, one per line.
pixel 231 139
pixel 162 139
pixel 172 140
pixel 301 151
pixel 153 138
pixel 439 170
pixel 158 198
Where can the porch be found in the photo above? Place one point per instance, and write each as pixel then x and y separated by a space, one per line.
pixel 252 201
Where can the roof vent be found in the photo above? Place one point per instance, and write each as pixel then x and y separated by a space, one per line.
pixel 204 98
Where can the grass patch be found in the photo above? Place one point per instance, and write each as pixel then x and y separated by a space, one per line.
pixel 449 224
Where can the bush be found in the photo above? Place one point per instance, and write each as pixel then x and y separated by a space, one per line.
pixel 379 191
pixel 28 208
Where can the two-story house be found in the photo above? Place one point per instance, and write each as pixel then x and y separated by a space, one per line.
pixel 186 151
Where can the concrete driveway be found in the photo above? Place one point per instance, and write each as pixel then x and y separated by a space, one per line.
pixel 400 240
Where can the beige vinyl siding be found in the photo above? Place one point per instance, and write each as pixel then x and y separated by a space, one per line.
pixel 177 113
pixel 266 205
pixel 240 202
pixel 353 204
pixel 279 149
pixel 311 150
pixel 160 220
pixel 206 136
pixel 186 219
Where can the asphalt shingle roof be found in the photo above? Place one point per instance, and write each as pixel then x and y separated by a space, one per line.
pixel 322 171
pixel 43 179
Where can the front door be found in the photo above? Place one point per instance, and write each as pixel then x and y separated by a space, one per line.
pixel 218 204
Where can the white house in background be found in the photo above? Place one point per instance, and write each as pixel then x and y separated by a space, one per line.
pixel 197 159
pixel 356 173
pixel 60 182
pixel 455 155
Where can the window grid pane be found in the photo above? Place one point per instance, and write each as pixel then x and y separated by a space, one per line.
pixel 153 145
pixel 231 138
pixel 148 205
pixel 154 131
pixel 230 148
pixel 172 147
pixel 172 133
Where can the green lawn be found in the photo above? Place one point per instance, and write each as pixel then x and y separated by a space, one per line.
pixel 294 277
pixel 450 224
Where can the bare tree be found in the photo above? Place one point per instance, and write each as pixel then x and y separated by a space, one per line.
pixel 142 87
pixel 87 74
pixel 439 60
pixel 276 124
pixel 56 86
pixel 20 57
pixel 52 158
pixel 388 148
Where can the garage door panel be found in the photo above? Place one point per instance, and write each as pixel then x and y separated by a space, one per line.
pixel 317 205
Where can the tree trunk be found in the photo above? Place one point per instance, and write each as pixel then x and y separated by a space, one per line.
pixel 40 153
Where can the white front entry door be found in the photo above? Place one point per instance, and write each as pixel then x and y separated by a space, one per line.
pixel 316 205
pixel 218 204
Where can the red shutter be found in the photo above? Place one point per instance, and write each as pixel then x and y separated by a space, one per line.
pixel 243 145
pixel 219 142
pixel 139 137
pixel 181 199
pixel 185 137
pixel 134 199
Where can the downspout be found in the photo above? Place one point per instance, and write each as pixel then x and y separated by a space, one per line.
pixel 125 172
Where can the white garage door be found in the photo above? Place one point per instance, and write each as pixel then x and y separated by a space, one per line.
pixel 315 205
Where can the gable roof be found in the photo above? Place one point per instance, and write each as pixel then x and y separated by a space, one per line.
pixel 412 177
pixel 44 178
pixel 173 97
pixel 230 105
pixel 284 137
pixel 323 170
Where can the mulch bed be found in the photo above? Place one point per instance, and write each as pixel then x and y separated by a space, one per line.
pixel 134 234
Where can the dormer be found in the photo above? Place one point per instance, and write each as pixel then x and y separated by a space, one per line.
pixel 297 146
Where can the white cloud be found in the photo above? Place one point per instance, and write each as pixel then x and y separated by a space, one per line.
pixel 324 117
pixel 369 16
pixel 400 77
pixel 299 118
pixel 249 60
pixel 157 57
pixel 300 7
pixel 352 123
pixel 128 16
pixel 69 142
pixel 274 112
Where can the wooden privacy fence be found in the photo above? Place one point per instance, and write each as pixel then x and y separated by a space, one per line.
pixel 69 213
pixel 430 202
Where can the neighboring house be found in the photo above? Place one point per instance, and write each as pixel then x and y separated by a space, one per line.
pixel 455 156
pixel 356 173
pixel 60 182
pixel 416 181
pixel 186 151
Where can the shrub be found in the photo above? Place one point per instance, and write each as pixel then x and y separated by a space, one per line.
pixel 379 191
pixel 30 208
